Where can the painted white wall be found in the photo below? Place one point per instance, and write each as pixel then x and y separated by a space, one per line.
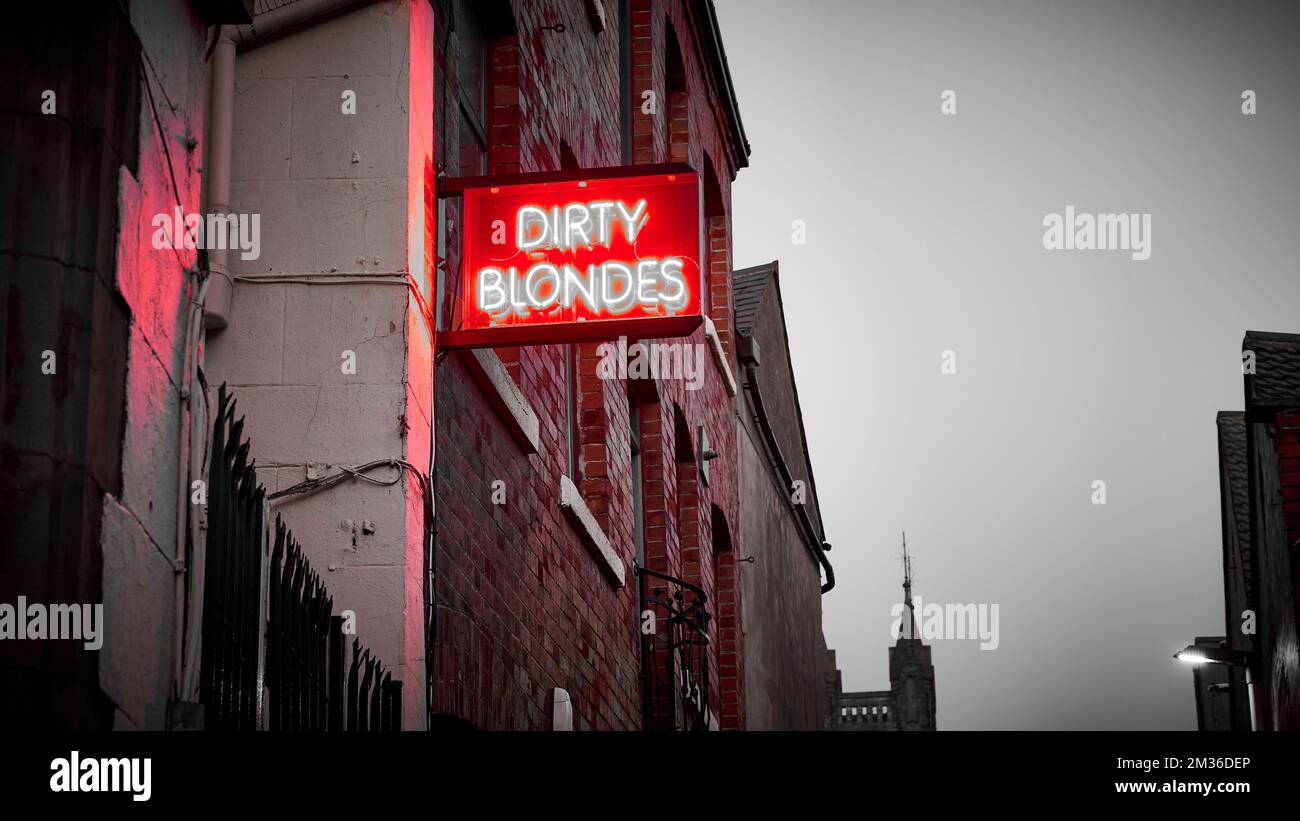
pixel 335 195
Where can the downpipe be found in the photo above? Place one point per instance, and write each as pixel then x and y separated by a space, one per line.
pixel 818 545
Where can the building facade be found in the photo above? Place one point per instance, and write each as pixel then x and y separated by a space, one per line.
pixel 99 332
pixel 525 538
pixel 1234 492
pixel 524 603
pixel 529 558
pixel 781 526
pixel 1259 469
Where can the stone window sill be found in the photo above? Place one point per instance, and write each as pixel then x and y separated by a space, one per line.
pixel 719 357
pixel 509 402
pixel 575 509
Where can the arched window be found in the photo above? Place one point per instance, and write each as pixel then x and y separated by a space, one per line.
pixel 726 616
pixel 677 105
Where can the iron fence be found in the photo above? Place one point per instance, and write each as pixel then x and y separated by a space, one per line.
pixel 273 651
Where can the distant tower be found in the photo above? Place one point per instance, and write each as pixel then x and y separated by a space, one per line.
pixel 908 704
pixel 911 674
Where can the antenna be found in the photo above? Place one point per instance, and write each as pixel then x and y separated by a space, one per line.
pixel 909 629
pixel 907 573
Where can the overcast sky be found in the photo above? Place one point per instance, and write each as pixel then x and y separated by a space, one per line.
pixel 925 234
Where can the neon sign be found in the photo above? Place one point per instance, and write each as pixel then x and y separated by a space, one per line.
pixel 556 258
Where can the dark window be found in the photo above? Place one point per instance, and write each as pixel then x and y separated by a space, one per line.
pixel 676 106
pixel 473 49
pixel 569 161
pixel 625 77
pixel 638 491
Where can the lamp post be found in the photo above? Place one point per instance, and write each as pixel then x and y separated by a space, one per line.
pixel 1219 653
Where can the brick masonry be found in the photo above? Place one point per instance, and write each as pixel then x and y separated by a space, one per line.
pixel 522 606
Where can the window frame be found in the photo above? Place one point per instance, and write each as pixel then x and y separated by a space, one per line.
pixel 638 478
pixel 478 124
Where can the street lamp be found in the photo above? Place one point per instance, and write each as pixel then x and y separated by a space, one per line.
pixel 1216 651
pixel 1203 654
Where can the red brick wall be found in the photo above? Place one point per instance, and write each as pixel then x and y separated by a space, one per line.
pixel 522 605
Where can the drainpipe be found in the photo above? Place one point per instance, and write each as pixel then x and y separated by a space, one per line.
pixel 211 307
pixel 1250 699
pixel 266 26
pixel 819 546
pixel 290 17
pixel 216 310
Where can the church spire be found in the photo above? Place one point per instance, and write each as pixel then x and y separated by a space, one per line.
pixel 913 632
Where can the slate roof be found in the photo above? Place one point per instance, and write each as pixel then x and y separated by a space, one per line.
pixel 747 290
pixel 1235 485
pixel 1276 381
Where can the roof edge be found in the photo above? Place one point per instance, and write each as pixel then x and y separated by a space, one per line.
pixel 722 75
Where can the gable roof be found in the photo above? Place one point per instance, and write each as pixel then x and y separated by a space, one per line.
pixel 749 286
pixel 1276 380
pixel 1234 488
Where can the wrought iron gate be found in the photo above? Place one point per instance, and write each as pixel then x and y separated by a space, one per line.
pixel 674 653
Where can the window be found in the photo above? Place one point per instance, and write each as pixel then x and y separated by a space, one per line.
pixel 472 72
pixel 569 161
pixel 638 491
pixel 571 410
pixel 715 231
pixel 676 117
pixel 625 78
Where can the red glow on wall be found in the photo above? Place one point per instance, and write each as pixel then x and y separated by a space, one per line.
pixel 571 259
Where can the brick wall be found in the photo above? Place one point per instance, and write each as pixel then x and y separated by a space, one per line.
pixel 522 605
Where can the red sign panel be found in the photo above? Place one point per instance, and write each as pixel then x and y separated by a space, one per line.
pixel 575 259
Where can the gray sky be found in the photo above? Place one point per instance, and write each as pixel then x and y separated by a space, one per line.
pixel 924 234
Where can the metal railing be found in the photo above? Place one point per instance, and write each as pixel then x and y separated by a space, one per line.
pixel 674 653
pixel 273 652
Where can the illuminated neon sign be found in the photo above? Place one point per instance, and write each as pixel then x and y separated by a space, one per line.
pixel 558 257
